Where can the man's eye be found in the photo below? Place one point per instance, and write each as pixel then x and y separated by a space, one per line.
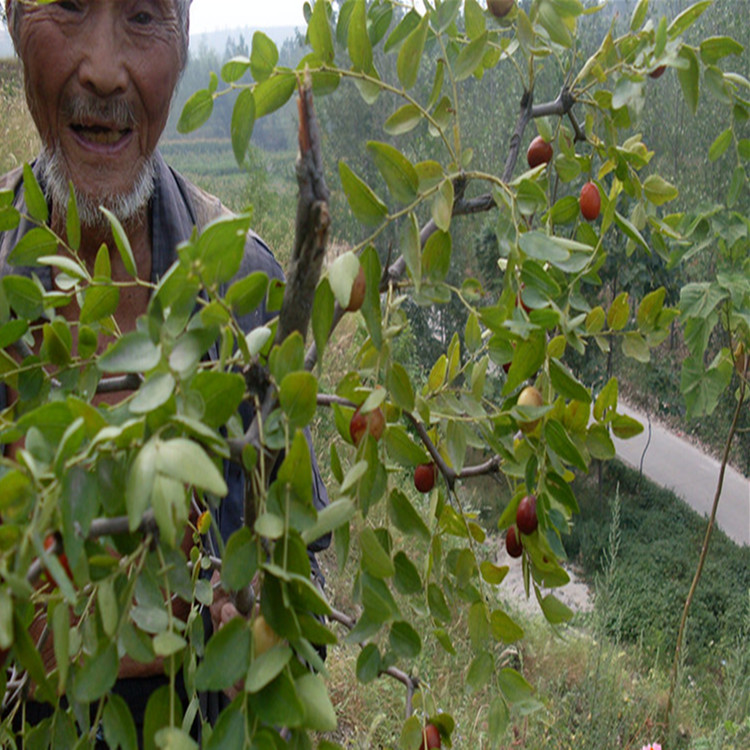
pixel 143 18
pixel 69 5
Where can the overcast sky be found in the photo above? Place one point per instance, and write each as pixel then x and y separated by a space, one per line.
pixel 213 15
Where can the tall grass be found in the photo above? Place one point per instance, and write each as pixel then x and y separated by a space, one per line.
pixel 18 136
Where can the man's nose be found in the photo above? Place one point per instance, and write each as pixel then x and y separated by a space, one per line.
pixel 103 70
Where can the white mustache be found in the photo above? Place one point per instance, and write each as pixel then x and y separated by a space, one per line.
pixel 116 112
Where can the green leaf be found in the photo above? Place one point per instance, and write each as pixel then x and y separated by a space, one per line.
pixel 403 120
pixel 397 171
pixel 330 518
pixel 639 15
pixel 196 112
pixel 404 27
pixel 543 248
pixel 436 256
pixel 140 484
pixel 404 640
pixel 631 232
pixel 689 77
pixel 555 611
pixel 687 18
pixel 358 40
pixel 405 518
pixel 599 443
pixel 498 718
pixel 410 54
pixel 438 606
pixel 720 145
pixel 274 93
pixel 185 461
pixel 36 243
pixel 635 347
pixel 402 449
pixel 558 440
pixel 619 312
pixel 319 32
pixel 267 667
pixel 442 206
pixel 341 276
pixel 234 69
pixel 298 396
pixel 64 264
pixel 480 671
pixel 160 713
pixel 221 393
pixel 565 383
pixel 118 724
pixel 243 122
pixel 474 19
pixel 406 578
pixel 400 387
pixel 263 57
pixel 240 560
pixel 513 686
pixel 625 427
pixel 34 196
pixel 10 218
pixel 365 205
pixel 702 387
pixel 322 316
pixel 134 352
pixel 375 559
pixel 411 249
pixel 565 211
pixel 371 307
pixel 97 675
pixel 368 664
pixel 168 643
pixel 229 730
pixel 248 293
pixel 717 47
pixel 122 242
pixel 99 302
pixel 24 297
pixel 503 627
pixel 227 657
pixel 658 190
pixel 470 57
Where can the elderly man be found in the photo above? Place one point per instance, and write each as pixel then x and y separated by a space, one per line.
pixel 99 78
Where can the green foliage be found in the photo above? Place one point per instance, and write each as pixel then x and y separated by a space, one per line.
pixel 660 539
pixel 138 466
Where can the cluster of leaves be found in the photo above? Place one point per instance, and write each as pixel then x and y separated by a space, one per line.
pixel 117 482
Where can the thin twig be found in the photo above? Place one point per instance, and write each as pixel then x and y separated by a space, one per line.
pixel 411 683
pixel 703 555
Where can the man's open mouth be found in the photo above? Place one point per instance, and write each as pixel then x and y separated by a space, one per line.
pixel 101 134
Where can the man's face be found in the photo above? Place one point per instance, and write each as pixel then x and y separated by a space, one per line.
pixel 99 80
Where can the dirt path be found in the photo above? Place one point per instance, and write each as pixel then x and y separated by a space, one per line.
pixel 677 465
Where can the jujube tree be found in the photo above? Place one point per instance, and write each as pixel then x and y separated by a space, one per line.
pixel 115 485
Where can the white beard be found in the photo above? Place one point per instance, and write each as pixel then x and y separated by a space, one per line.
pixel 124 206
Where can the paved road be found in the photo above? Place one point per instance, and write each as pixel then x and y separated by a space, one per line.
pixel 676 465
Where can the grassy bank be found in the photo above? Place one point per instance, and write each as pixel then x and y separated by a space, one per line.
pixel 601 681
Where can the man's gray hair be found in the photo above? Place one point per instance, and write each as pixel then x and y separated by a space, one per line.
pixel 15 11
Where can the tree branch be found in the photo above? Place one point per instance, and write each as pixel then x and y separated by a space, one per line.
pixel 311 237
pixel 99 527
pixel 703 555
pixel 130 382
pixel 411 683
